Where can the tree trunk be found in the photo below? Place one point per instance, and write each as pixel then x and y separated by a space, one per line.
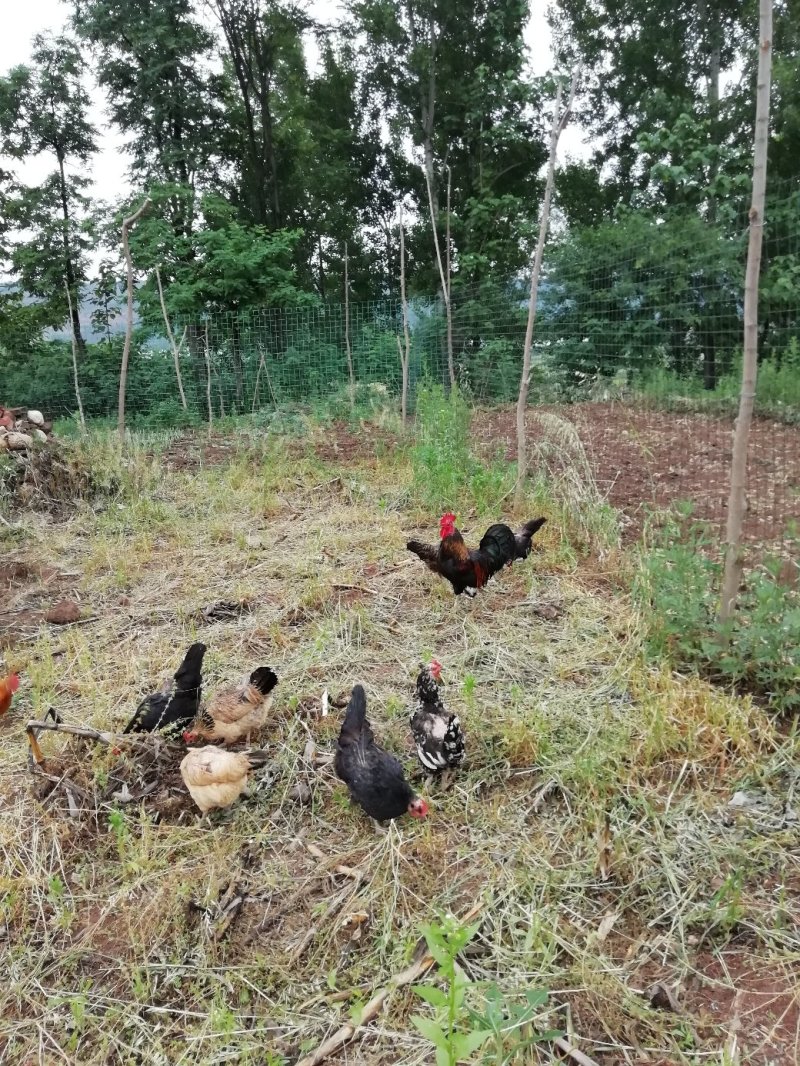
pixel 75 364
pixel 405 352
pixel 347 332
pixel 69 272
pixel 737 499
pixel 126 349
pixel 445 283
pixel 559 122
pixel 175 348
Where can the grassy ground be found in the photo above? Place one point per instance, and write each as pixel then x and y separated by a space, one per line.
pixel 593 818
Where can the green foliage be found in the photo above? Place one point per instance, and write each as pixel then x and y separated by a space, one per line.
pixel 447 476
pixel 759 651
pixel 777 387
pixel 459 1031
pixel 454 1039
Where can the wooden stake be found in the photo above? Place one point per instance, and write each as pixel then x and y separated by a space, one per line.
pixel 559 122
pixel 75 361
pixel 737 499
pixel 126 349
pixel 175 348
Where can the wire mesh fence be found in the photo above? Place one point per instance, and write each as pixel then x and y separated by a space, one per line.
pixel 637 340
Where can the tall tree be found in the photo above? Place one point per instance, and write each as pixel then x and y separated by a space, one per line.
pixel 43 110
pixel 154 59
pixel 450 78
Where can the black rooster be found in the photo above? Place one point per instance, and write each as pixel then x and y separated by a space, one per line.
pixel 468 570
pixel 375 778
pixel 176 706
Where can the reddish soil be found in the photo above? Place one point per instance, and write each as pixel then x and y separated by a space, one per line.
pixel 646 458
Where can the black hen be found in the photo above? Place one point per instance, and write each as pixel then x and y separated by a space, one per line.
pixel 437 733
pixel 174 708
pixel 468 570
pixel 375 778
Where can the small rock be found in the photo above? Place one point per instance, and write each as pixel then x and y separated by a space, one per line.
pixel 63 613
pixel 40 434
pixel 18 442
pixel 300 792
pixel 36 417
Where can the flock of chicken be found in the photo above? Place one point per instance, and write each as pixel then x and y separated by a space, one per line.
pixel 215 776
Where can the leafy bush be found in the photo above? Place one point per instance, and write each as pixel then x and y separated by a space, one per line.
pixel 759 651
pixel 446 473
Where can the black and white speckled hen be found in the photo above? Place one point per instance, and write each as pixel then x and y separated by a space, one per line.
pixel 437 733
pixel 176 706
pixel 469 569
pixel 375 778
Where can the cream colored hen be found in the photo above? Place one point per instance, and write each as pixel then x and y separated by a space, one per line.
pixel 234 713
pixel 216 777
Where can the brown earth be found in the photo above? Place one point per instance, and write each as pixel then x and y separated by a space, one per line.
pixel 646 458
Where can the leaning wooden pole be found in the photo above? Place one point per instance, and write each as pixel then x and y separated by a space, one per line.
pixel 405 349
pixel 559 122
pixel 75 362
pixel 176 352
pixel 126 350
pixel 347 347
pixel 737 499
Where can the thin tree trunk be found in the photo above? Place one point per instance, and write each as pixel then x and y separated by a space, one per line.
pixel 75 362
pixel 171 338
pixel 347 332
pixel 208 381
pixel 126 349
pixel 448 278
pixel 404 354
pixel 444 283
pixel 69 272
pixel 559 122
pixel 737 499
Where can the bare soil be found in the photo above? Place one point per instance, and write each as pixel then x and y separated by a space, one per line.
pixel 645 458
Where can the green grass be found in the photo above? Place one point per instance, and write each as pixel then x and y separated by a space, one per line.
pixel 592 816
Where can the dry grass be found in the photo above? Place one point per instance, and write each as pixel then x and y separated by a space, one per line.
pixel 593 814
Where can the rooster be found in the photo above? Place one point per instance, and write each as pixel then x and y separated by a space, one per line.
pixel 8 686
pixel 437 733
pixel 467 569
pixel 215 777
pixel 375 778
pixel 235 713
pixel 176 705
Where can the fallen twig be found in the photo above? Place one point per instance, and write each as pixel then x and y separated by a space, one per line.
pixel 33 728
pixel 566 1048
pixel 420 966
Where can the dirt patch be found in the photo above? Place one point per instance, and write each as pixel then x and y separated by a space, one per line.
pixel 344 443
pixel 191 454
pixel 646 458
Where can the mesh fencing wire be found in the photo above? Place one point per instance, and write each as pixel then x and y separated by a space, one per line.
pixel 637 341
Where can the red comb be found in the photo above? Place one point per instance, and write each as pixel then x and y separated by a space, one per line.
pixel 447 523
pixel 13 682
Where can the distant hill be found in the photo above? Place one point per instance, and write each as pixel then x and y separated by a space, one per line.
pixel 87 306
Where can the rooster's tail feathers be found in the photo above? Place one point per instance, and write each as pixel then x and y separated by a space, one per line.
pixel 264 679
pixel 524 535
pixel 426 552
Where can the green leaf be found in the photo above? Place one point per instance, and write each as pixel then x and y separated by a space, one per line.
pixel 431 1030
pixel 464 1044
pixel 431 994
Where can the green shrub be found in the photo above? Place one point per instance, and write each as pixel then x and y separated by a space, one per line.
pixel 446 473
pixel 678 588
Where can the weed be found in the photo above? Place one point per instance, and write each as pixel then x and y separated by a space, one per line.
pixel 447 475
pixel 678 586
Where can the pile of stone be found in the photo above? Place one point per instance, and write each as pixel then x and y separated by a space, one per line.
pixel 19 428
